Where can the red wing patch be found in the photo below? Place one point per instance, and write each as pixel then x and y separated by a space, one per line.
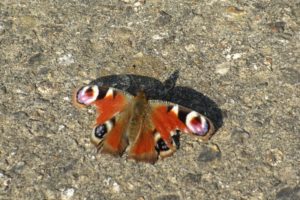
pixel 109 106
pixel 144 148
pixel 115 142
pixel 165 122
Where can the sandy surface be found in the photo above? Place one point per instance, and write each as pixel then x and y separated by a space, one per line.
pixel 235 61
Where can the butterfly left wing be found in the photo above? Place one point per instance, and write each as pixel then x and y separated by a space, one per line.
pixel 171 119
pixel 109 134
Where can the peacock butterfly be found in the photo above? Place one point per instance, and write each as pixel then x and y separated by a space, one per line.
pixel 148 129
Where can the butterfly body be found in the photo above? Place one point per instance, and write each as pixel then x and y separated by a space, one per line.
pixel 147 129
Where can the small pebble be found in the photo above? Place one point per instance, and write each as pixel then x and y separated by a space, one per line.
pixel 234 10
pixel 274 157
pixel 2 28
pixel 61 127
pixel 190 48
pixel 67 193
pixel 236 56
pixel 222 68
pixel 66 99
pixel 210 152
pixel 130 186
pixel 107 181
pixel 116 187
pixel 240 135
pixel 128 1
pixel 66 59
pixel 157 37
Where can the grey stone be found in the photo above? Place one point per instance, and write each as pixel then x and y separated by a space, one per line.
pixel 235 61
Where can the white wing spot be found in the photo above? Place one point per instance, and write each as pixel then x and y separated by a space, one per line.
pixel 110 92
pixel 157 136
pixel 203 122
pixel 85 99
pixel 109 125
pixel 173 133
pixel 95 92
pixel 175 109
pixel 189 118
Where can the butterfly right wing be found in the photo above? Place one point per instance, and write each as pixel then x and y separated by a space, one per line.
pixel 171 119
pixel 111 124
pixel 157 125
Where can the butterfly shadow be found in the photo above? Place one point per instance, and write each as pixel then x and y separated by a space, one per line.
pixel 165 91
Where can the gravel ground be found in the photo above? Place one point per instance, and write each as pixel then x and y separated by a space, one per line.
pixel 235 61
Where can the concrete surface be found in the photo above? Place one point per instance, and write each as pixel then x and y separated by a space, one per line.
pixel 236 61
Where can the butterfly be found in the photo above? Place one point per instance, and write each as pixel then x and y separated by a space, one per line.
pixel 146 129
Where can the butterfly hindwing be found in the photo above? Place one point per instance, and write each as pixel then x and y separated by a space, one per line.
pixel 143 149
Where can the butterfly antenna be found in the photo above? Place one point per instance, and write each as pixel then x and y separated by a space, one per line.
pixel 99 146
